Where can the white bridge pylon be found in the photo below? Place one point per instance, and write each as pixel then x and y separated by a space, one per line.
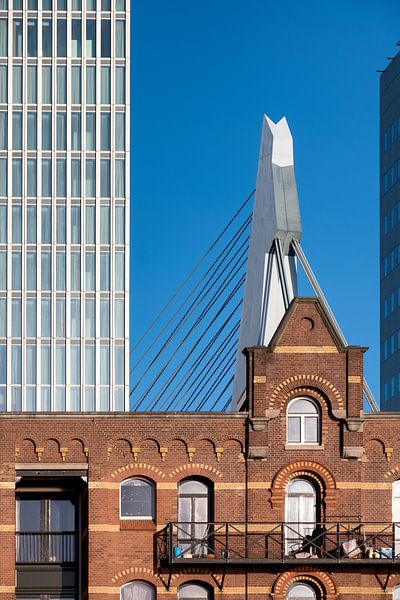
pixel 271 275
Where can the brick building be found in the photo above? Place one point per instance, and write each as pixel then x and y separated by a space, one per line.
pixel 293 498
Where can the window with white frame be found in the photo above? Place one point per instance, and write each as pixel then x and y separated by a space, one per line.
pixel 301 591
pixel 396 592
pixel 194 591
pixel 303 422
pixel 137 499
pixel 138 590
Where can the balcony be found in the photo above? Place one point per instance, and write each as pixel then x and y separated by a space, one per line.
pixel 46 547
pixel 241 544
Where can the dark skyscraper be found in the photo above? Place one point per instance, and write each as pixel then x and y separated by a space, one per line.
pixel 390 235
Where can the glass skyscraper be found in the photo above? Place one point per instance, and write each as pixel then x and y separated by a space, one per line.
pixel 64 205
pixel 390 235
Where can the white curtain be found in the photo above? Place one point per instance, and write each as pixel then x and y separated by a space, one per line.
pixel 137 590
pixel 193 592
pixel 3 192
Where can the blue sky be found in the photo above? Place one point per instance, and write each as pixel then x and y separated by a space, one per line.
pixel 203 73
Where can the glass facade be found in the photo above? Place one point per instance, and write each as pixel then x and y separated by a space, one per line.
pixel 64 208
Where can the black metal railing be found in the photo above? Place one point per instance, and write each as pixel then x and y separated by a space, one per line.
pixel 46 547
pixel 279 542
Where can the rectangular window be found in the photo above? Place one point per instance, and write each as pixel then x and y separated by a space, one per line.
pixel 76 85
pixel 89 318
pixel 90 178
pixel 90 271
pixel 104 318
pixel 46 177
pixel 90 85
pixel 91 5
pixel 60 317
pixel 89 365
pixel 3 81
pixel 106 5
pixel 119 271
pixel 90 38
pixel 31 271
pixel 105 38
pixel 119 318
pixel 75 131
pixel 46 130
pixel 47 96
pixel 31 131
pixel 17 84
pixel 105 140
pixel 120 39
pixel 32 178
pixel 16 224
pixel 3 37
pixel 17 177
pixel 105 85
pixel 3 321
pixel 31 224
pixel 46 364
pixel 32 37
pixel 3 177
pixel 76 46
pixel 16 275
pixel 75 179
pixel 119 372
pixel 3 130
pixel 90 131
pixel 32 85
pixel 46 270
pixel 16 364
pixel 3 222
pixel 119 131
pixel 61 37
pixel 75 364
pixel 90 224
pixel 61 178
pixel 120 224
pixel 105 183
pixel 120 178
pixel 17 37
pixel 60 364
pixel 104 224
pixel 47 37
pixel 104 365
pixel 120 5
pixel 60 225
pixel 17 130
pixel 119 85
pixel 60 271
pixel 46 317
pixel 31 319
pixel 104 271
pixel 75 271
pixel 3 270
pixel 75 318
pixel 75 224
pixel 76 5
pixel 32 5
pixel 46 224
pixel 61 131
pixel 16 317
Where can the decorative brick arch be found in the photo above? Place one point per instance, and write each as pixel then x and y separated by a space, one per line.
pixel 318 384
pixel 190 469
pixel 321 580
pixel 307 468
pixel 135 573
pixel 137 469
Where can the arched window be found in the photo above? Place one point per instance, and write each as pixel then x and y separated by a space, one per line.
pixel 137 499
pixel 396 592
pixel 194 591
pixel 396 518
pixel 194 515
pixel 138 590
pixel 303 422
pixel 300 514
pixel 301 591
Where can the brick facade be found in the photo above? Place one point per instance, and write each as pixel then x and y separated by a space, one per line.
pixel 244 456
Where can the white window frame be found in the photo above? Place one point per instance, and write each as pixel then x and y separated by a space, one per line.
pixel 303 417
pixel 138 518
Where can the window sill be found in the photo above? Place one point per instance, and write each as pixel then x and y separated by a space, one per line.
pixel 137 525
pixel 304 447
